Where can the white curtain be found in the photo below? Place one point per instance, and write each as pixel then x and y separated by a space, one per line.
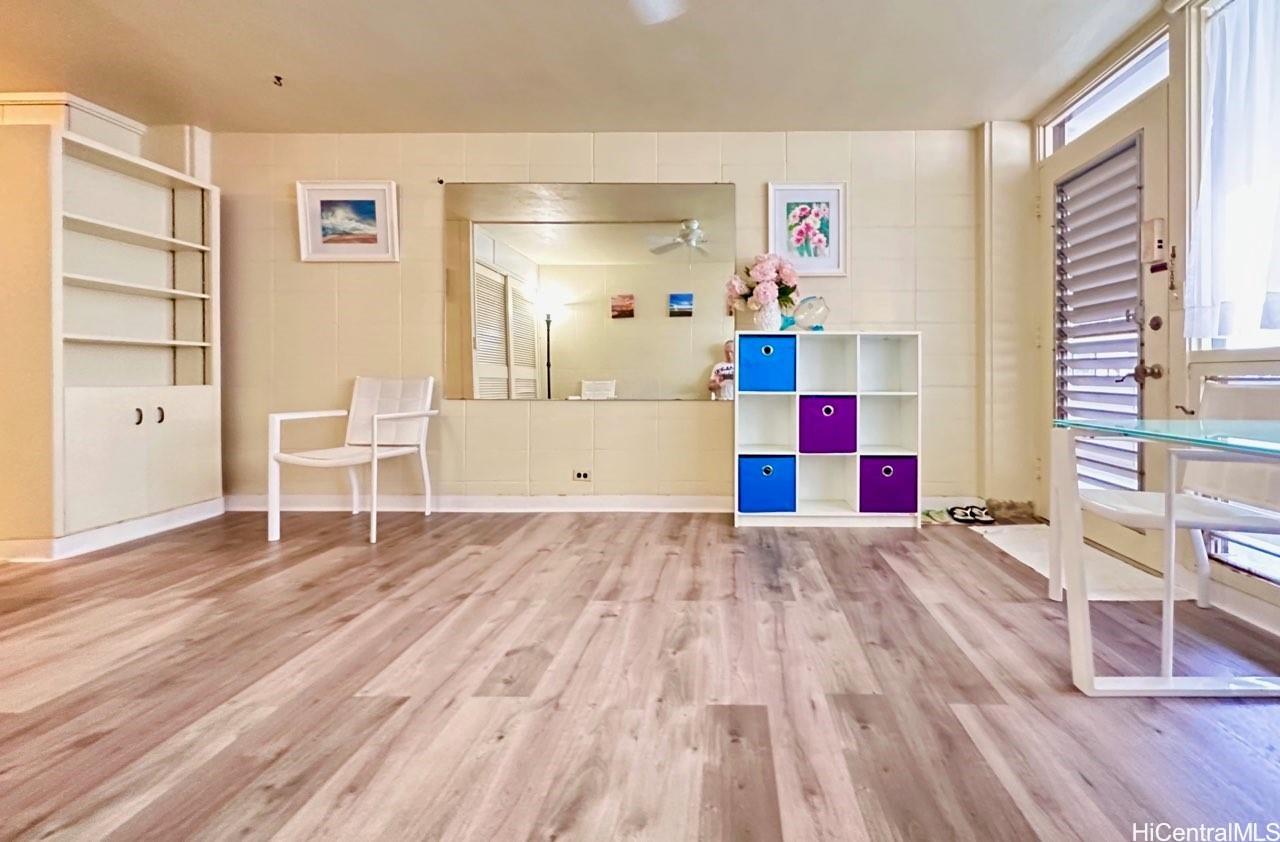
pixel 1233 271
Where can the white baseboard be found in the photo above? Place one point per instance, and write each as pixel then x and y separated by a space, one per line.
pixel 944 503
pixel 489 503
pixel 52 549
pixel 523 503
pixel 1247 607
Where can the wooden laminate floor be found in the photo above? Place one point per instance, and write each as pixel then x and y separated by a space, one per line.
pixel 596 677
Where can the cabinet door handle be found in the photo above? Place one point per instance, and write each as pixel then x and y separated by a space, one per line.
pixel 138 420
pixel 767 350
pixel 159 414
pixel 767 470
pixel 886 471
pixel 828 410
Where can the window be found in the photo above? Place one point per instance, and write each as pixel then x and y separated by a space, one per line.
pixel 1122 86
pixel 1233 271
pixel 1097 309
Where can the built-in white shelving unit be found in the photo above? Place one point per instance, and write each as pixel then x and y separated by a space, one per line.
pixel 126 251
pixel 827 429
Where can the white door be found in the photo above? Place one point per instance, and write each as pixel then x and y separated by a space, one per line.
pixel 105 433
pixel 523 327
pixel 1105 329
pixel 183 458
pixel 489 323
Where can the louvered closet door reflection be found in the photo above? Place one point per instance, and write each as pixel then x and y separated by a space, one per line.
pixel 489 343
pixel 1098 309
pixel 524 345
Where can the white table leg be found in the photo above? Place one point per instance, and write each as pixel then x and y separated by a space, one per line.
pixel 1170 566
pixel 1055 535
pixel 1070 548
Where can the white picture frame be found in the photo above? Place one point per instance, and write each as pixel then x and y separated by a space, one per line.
pixel 348 222
pixel 784 200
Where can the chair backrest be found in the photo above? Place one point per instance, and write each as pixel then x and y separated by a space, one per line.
pixel 374 395
pixel 1256 484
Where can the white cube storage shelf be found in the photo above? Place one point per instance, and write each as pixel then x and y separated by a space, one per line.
pixel 827 429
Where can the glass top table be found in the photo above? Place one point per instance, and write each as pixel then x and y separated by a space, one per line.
pixel 1198 439
pixel 1260 438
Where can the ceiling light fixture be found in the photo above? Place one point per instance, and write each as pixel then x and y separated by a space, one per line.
pixel 653 12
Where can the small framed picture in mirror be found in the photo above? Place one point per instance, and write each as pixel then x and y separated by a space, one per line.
pixel 622 306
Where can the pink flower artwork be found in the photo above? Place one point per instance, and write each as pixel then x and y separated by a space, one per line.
pixel 809 227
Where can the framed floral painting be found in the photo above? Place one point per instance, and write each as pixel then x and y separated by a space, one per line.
pixel 806 226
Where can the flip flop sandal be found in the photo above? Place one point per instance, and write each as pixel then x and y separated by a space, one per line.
pixel 961 514
pixel 981 515
pixel 935 516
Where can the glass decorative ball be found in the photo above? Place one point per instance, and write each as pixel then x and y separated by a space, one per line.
pixel 811 313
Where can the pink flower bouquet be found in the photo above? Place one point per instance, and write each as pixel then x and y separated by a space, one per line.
pixel 767 280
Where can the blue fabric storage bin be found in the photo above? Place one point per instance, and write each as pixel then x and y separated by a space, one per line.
pixel 767 363
pixel 766 483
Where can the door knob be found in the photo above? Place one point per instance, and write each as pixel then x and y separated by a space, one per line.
pixel 1142 371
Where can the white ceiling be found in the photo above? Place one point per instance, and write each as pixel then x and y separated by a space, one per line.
pixel 559 65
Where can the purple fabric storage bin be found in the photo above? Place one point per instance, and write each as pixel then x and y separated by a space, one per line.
pixel 887 484
pixel 828 424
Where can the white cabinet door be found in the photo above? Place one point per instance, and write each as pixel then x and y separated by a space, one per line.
pixel 184 463
pixel 105 456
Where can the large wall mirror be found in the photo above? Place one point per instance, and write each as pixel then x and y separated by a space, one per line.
pixel 586 291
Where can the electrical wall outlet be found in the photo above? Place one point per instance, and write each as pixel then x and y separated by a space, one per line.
pixel 582 476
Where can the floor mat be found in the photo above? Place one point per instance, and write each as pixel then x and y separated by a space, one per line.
pixel 1109 578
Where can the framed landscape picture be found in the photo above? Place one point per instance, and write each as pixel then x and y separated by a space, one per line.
pixel 341 221
pixel 622 306
pixel 806 226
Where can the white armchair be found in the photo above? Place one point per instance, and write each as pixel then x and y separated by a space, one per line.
pixel 387 419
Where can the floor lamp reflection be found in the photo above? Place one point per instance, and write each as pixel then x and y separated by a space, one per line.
pixel 552 307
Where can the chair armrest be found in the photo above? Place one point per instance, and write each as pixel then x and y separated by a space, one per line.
pixel 275 421
pixel 397 416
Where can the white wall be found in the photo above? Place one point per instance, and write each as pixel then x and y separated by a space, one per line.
pixel 296 334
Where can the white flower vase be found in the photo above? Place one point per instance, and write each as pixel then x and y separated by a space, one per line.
pixel 769 317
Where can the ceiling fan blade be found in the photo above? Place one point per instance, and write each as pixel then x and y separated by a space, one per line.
pixel 666 247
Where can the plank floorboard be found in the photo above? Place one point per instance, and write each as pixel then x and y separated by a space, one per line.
pixel 596 676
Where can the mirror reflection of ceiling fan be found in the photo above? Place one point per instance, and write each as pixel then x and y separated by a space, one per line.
pixel 690 235
pixel 653 12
